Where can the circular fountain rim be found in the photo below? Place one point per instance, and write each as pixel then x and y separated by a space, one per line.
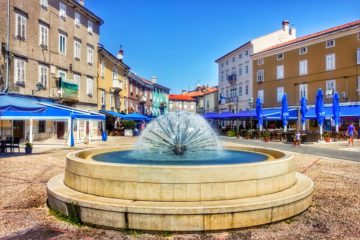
pixel 74 156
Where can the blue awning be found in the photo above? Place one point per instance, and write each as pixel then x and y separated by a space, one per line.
pixel 275 114
pixel 136 117
pixel 10 103
pixel 111 113
pixel 345 111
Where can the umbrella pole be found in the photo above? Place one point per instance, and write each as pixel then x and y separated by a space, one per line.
pixel 337 128
pixel 303 126
pixel 321 131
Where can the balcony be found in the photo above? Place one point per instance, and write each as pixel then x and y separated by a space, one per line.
pixel 68 90
pixel 232 100
pixel 117 85
pixel 232 78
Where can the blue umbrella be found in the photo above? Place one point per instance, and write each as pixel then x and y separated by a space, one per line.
pixel 284 111
pixel 319 110
pixel 259 114
pixel 336 111
pixel 303 111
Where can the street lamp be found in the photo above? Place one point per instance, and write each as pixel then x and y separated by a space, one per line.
pixel 251 104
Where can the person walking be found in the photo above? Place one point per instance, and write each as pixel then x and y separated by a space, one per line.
pixel 350 133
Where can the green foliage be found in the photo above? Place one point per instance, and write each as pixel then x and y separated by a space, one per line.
pixel 28 144
pixel 265 134
pixel 129 124
pixel 326 134
pixel 73 220
pixel 231 133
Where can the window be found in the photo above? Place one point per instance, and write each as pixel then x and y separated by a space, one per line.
pixel 44 3
pixel 302 50
pixel 280 72
pixel 279 94
pixel 240 56
pixel 90 27
pixel 246 88
pixel 261 95
pixel 358 88
pixel 43 75
pixel 89 86
pixel 260 61
pixel 222 64
pixel 19 70
pixel 233 59
pixel 115 74
pixel 62 44
pixel 330 61
pixel 62 74
pixel 103 98
pixel 43 36
pixel 240 69
pixel 77 79
pixel 227 62
pixel 303 91
pixel 246 69
pixel 77 49
pixel 330 88
pixel 359 36
pixel 192 106
pixel 358 56
pixel 185 106
pixel 112 101
pixel 20 26
pixel 62 11
pixel 77 19
pixel 42 126
pixel 330 43
pixel 90 55
pixel 102 69
pixel 303 67
pixel 246 52
pixel 222 76
pixel 240 89
pixel 260 75
pixel 280 56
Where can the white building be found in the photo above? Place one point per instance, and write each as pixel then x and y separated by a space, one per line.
pixel 235 69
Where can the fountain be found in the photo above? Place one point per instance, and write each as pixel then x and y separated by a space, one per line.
pixel 180 179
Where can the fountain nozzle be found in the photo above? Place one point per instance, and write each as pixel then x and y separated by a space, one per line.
pixel 179 149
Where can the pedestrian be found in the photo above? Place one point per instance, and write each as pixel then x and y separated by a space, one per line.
pixel 297 138
pixel 350 133
pixel 142 127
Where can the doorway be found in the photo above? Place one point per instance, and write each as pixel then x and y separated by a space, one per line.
pixel 18 129
pixel 60 130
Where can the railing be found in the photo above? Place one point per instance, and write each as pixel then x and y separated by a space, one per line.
pixel 232 99
pixel 232 78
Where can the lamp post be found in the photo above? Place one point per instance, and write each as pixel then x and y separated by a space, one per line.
pixel 251 104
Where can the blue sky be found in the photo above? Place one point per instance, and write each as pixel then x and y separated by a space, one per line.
pixel 178 40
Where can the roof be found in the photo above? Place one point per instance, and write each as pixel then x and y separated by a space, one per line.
pixel 86 10
pixel 313 35
pixel 201 93
pixel 180 97
pixel 115 59
pixel 154 84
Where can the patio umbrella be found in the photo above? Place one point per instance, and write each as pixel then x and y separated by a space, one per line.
pixel 303 111
pixel 259 114
pixel 319 110
pixel 284 111
pixel 72 141
pixel 336 111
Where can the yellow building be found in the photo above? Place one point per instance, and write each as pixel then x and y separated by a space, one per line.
pixel 112 81
pixel 329 59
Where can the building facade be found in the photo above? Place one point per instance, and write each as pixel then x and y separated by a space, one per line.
pixel 112 81
pixel 206 98
pixel 51 50
pixel 235 72
pixel 329 59
pixel 139 95
pixel 160 98
pixel 181 102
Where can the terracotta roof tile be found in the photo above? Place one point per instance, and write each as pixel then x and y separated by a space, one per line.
pixel 180 97
pixel 313 35
pixel 201 93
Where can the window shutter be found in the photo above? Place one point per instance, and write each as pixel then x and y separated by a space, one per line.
pixel 358 56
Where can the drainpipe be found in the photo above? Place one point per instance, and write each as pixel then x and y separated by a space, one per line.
pixel 7 52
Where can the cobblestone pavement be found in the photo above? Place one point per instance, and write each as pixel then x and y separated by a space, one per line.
pixel 339 150
pixel 334 213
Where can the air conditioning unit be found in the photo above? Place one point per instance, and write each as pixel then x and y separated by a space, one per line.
pixel 343 94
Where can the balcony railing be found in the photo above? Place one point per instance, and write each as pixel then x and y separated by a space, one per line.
pixel 231 99
pixel 232 78
pixel 117 85
pixel 68 90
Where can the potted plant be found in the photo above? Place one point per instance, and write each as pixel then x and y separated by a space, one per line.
pixel 28 148
pixel 266 136
pixel 231 133
pixel 327 136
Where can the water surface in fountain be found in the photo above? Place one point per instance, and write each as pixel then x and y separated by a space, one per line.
pixel 179 138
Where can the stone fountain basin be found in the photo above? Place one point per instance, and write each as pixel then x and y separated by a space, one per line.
pixel 179 183
pixel 180 198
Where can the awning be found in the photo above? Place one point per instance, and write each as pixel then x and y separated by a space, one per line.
pixel 345 111
pixel 11 103
pixel 111 113
pixel 275 114
pixel 136 117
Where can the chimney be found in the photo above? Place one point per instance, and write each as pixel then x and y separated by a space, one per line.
pixel 293 31
pixel 82 2
pixel 183 91
pixel 285 25
pixel 120 55
pixel 154 79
